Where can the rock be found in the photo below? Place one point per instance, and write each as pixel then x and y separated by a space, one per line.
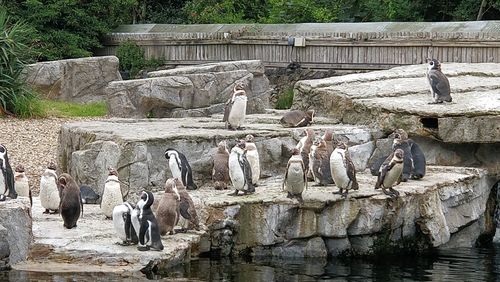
pixel 337 247
pixel 79 80
pixel 398 98
pixel 4 243
pixel 189 91
pixel 314 247
pixel 360 154
pixel 15 217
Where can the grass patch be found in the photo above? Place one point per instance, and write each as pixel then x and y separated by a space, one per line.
pixel 66 109
pixel 285 99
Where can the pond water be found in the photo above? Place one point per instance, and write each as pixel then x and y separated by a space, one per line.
pixel 465 264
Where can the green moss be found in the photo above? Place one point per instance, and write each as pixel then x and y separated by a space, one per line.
pixel 66 109
pixel 285 99
pixel 383 245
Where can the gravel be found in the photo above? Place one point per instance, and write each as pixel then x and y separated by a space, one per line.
pixel 32 143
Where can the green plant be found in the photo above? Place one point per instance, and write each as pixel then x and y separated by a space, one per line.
pixel 66 109
pixel 16 97
pixel 285 99
pixel 131 57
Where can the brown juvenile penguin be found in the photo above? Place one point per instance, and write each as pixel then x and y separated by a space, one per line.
pixel 304 147
pixel 328 137
pixel 187 209
pixel 319 161
pixel 220 171
pixel 168 211
pixel 71 202
pixel 21 183
pixel 297 118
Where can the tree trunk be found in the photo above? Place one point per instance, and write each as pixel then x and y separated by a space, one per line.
pixel 481 10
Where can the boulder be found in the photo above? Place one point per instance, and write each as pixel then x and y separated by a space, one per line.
pixel 15 218
pixel 189 91
pixel 79 80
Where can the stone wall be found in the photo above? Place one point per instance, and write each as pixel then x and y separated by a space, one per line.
pixel 75 80
pixel 16 234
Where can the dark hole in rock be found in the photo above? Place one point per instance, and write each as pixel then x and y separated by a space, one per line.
pixel 430 122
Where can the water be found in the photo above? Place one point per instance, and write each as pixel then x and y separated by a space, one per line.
pixel 466 264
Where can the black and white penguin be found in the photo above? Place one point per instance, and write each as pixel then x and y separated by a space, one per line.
pixel 71 202
pixel 390 173
pixel 343 170
pixel 180 168
pixel 304 146
pixel 240 170
pixel 295 181
pixel 21 183
pixel 297 118
pixel 49 190
pixel 112 194
pixel 122 221
pixel 319 163
pixel 220 170
pixel 253 158
pixel 235 108
pixel 7 187
pixel 168 211
pixel 414 159
pixel 440 86
pixel 144 220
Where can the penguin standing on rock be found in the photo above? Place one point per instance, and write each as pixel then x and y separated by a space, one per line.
pixel 295 181
pixel 112 193
pixel 235 109
pixel 71 203
pixel 343 170
pixel 122 221
pixel 414 158
pixel 390 173
pixel 180 168
pixel 7 188
pixel 168 211
pixel 144 220
pixel 440 86
pixel 189 217
pixel 240 170
pixel 253 158
pixel 220 170
pixel 297 118
pixel 49 191
pixel 319 163
pixel 21 183
pixel 304 147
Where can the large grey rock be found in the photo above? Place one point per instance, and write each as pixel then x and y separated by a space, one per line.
pixel 15 217
pixel 398 98
pixel 80 80
pixel 4 243
pixel 189 91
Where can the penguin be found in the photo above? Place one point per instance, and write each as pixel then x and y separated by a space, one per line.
pixel 144 220
pixel 240 170
pixel 390 173
pixel 329 142
pixel 89 196
pixel 7 187
pixel 235 108
pixel 319 163
pixel 122 222
pixel 49 190
pixel 295 181
pixel 253 158
pixel 112 194
pixel 297 118
pixel 343 170
pixel 414 158
pixel 168 211
pixel 180 168
pixel 304 147
pixel 71 205
pixel 187 209
pixel 21 183
pixel 220 170
pixel 438 82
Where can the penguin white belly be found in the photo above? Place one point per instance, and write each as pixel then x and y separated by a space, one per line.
pixel 236 173
pixel 295 179
pixel 174 168
pixel 2 184
pixel 119 222
pixel 392 176
pixel 22 187
pixel 49 193
pixel 134 217
pixel 253 159
pixel 238 109
pixel 338 170
pixel 111 197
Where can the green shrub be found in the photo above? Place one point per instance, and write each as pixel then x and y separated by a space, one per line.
pixel 285 99
pixel 132 59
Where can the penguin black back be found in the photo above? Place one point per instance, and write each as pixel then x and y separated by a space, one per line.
pixel 8 174
pixel 149 233
pixel 184 167
pixel 71 205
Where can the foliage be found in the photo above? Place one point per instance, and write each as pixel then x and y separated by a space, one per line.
pixel 66 109
pixel 15 41
pixel 285 99
pixel 302 11
pixel 132 60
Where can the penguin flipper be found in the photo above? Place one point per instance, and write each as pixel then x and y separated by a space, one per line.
pixel 351 171
pixel 10 181
pixel 184 209
pixel 227 109
pixel 247 171
pixel 440 85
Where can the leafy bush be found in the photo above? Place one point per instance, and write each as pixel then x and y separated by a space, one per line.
pixel 16 97
pixel 132 59
pixel 285 99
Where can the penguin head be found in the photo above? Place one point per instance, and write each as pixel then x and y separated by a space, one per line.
pixel 341 145
pixel 399 134
pixel 222 146
pixel 20 168
pixel 328 135
pixel 295 152
pixel 146 200
pixel 399 154
pixel 112 171
pixel 249 138
pixel 52 166
pixel 310 115
pixel 63 181
pixel 310 133
pixel 3 150
pixel 169 152
pixel 434 64
pixel 3 156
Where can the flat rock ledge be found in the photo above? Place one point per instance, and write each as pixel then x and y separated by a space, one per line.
pixel 445 209
pixel 398 98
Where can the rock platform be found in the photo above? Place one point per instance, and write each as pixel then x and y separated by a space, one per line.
pixel 437 209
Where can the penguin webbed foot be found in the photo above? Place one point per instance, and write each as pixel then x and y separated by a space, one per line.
pixel 46 211
pixel 339 192
pixel 394 192
pixel 182 230
pixel 143 248
pixel 289 195
pixel 435 102
pixel 235 193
